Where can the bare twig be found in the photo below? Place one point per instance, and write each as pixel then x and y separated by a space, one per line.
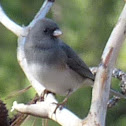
pixel 17 92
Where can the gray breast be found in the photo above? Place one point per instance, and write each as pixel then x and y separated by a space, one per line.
pixel 59 81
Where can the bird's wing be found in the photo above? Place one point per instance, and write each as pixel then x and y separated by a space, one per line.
pixel 75 63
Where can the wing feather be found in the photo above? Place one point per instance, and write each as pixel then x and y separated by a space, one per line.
pixel 75 62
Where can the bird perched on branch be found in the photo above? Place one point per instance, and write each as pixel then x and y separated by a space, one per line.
pixel 52 62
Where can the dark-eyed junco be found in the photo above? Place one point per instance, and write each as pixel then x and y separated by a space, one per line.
pixel 52 62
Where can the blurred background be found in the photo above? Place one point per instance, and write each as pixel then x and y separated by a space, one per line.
pixel 87 25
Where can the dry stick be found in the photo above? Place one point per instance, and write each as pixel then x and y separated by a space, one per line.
pixel 34 122
pixel 18 92
pixel 100 93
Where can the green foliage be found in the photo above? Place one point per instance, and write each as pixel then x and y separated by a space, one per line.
pixel 86 25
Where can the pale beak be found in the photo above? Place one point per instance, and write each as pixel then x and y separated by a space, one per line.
pixel 57 33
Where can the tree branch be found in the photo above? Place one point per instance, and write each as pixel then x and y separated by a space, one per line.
pixel 101 89
pixel 42 12
pixel 9 24
pixel 46 110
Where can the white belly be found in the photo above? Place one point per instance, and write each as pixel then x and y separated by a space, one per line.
pixel 59 81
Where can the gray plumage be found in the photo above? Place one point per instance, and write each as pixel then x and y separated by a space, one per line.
pixel 52 62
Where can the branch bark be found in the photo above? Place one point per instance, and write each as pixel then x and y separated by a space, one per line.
pixel 46 110
pixel 9 24
pixel 101 89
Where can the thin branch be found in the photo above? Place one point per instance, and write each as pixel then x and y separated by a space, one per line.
pixel 18 92
pixel 42 12
pixel 9 24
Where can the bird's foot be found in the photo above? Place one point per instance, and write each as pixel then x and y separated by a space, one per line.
pixel 45 93
pixel 60 105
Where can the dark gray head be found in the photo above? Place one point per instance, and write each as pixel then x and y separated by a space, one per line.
pixel 48 27
pixel 45 28
pixel 43 34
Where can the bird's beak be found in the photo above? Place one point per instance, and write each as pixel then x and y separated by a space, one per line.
pixel 57 33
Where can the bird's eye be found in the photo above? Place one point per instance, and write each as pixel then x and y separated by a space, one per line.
pixel 45 30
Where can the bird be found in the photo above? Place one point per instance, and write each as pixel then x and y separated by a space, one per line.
pixel 53 63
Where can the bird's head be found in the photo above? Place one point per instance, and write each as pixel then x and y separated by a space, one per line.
pixel 46 28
